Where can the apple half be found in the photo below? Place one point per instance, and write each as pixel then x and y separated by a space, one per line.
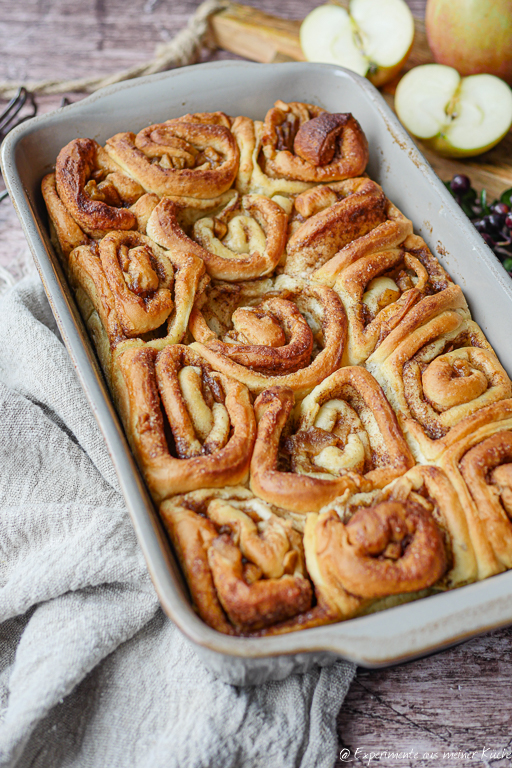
pixel 453 115
pixel 372 38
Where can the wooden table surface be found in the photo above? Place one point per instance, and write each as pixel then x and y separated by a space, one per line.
pixel 458 700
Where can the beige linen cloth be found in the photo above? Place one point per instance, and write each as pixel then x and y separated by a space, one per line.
pixel 92 674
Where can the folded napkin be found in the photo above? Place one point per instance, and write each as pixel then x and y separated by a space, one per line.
pixel 92 674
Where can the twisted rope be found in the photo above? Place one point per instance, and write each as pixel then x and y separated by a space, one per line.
pixel 183 49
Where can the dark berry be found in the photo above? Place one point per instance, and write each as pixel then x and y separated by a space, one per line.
pixel 460 184
pixel 494 222
pixel 488 239
pixel 500 208
pixel 480 225
pixel 508 221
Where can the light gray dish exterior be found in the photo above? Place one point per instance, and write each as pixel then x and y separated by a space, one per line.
pixel 239 88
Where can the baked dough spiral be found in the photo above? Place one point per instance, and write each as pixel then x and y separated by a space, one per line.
pixel 379 289
pixel 209 415
pixel 270 332
pixel 244 565
pixel 191 156
pixel 440 370
pixel 386 548
pixel 93 188
pixel 430 487
pixel 478 462
pixel 304 142
pixel 88 196
pixel 344 437
pixel 245 240
pixel 334 225
pixel 127 286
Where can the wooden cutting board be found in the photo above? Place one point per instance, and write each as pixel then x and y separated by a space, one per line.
pixel 259 36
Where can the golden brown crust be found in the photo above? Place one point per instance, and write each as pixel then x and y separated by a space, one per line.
pixel 477 461
pixel 210 416
pixel 442 371
pixel 345 437
pixel 391 548
pixel 359 208
pixel 187 156
pixel 66 233
pixel 379 290
pixel 244 564
pixel 301 141
pixel 129 287
pixel 97 303
pixel 140 276
pixel 284 356
pixel 93 190
pixel 243 241
pixel 431 487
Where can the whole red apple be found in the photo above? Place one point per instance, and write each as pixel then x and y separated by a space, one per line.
pixel 473 36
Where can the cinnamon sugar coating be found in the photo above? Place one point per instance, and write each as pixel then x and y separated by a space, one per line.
pixel 245 564
pixel 209 415
pixel 344 437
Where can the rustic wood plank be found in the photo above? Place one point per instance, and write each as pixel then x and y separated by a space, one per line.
pixel 455 701
pixel 459 698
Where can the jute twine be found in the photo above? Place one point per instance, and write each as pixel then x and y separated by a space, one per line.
pixel 183 49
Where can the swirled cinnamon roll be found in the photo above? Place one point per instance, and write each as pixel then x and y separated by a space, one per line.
pixel 334 225
pixel 379 289
pixel 252 177
pixel 378 548
pixel 304 142
pixel 244 565
pixel 127 286
pixel 270 332
pixel 478 462
pixel 430 487
pixel 343 437
pixel 189 427
pixel 436 368
pixel 244 240
pixel 94 189
pixel 190 156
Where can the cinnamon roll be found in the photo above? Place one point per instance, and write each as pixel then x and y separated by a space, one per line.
pixel 379 289
pixel 244 240
pixel 302 141
pixel 190 156
pixel 189 427
pixel 436 368
pixel 94 190
pixel 127 286
pixel 343 437
pixel 269 332
pixel 379 548
pixel 244 565
pixel 335 225
pixel 478 461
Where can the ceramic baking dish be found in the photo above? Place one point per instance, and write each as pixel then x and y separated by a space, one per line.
pixel 384 638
